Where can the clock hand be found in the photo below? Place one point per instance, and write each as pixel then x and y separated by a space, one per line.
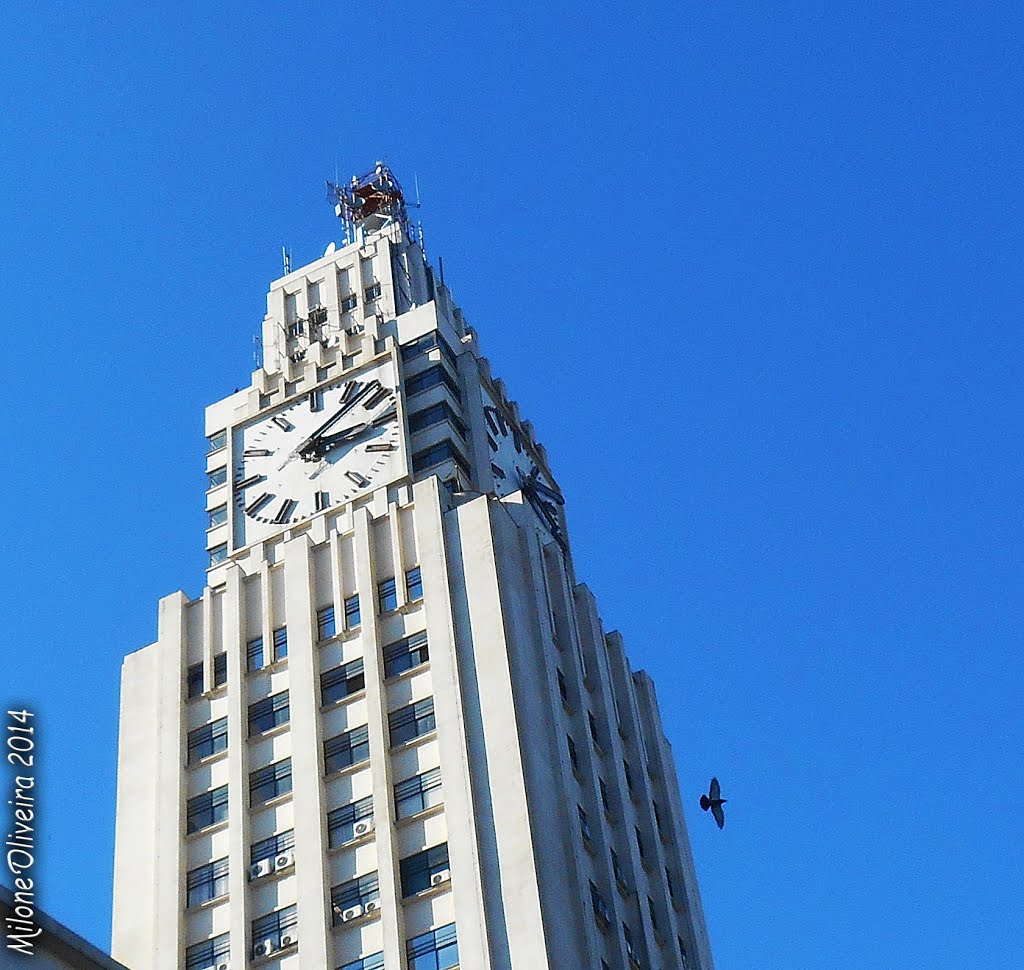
pixel 342 437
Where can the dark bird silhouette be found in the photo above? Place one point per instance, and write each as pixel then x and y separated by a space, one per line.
pixel 713 800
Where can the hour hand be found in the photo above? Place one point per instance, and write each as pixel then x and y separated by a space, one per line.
pixel 319 445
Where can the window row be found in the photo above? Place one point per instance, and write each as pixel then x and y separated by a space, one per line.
pixel 436 414
pixel 443 451
pixel 335 685
pixel 412 796
pixel 423 345
pixel 257 657
pixel 434 950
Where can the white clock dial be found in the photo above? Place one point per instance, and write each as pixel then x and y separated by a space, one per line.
pixel 318 449
pixel 510 460
pixel 514 469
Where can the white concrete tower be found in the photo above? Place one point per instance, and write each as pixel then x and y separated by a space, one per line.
pixel 392 732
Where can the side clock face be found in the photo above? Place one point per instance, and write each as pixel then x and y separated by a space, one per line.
pixel 319 449
pixel 514 469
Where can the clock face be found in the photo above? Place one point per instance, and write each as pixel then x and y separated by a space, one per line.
pixel 319 449
pixel 515 470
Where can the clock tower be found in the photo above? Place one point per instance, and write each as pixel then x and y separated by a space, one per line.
pixel 392 731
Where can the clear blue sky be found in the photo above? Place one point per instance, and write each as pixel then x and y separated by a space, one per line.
pixel 753 270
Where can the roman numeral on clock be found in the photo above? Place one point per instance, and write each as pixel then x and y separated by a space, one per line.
pixel 385 446
pixel 360 480
pixel 257 503
pixel 374 399
pixel 246 482
pixel 282 422
pixel 385 417
pixel 284 513
pixel 257 453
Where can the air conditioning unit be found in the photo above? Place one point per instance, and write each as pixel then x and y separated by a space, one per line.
pixel 439 878
pixel 284 860
pixel 289 939
pixel 258 869
pixel 264 948
pixel 363 827
pixel 353 912
pixel 372 906
pixel 354 329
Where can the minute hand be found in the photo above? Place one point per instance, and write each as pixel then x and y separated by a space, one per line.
pixel 309 445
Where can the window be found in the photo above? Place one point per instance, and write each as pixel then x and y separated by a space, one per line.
pixel 372 292
pixel 346 749
pixel 584 826
pixel 411 721
pixel 574 759
pixel 269 713
pixel 341 822
pixel 437 414
pixel 629 776
pixel 202 956
pixel 273 927
pixel 207 882
pixel 218 554
pixel 220 670
pixel 670 884
pixel 601 911
pixel 432 377
pixel 434 950
pixel 418 794
pixel 640 845
pixel 355 892
pixel 654 915
pixel 617 870
pixel 352 612
pixel 426 343
pixel 413 584
pixel 254 653
pixel 207 809
pixel 605 802
pixel 627 938
pixel 594 735
pixel 207 740
pixel 274 846
pixel 438 454
pixel 325 628
pixel 682 953
pixel 313 295
pixel 280 644
pixel 657 819
pixel 322 373
pixel 217 477
pixel 217 516
pixel 349 303
pixel 341 682
pixel 215 442
pixel 267 783
pixel 375 962
pixel 405 654
pixel 291 310
pixel 194 680
pixel 387 596
pixel 417 872
pixel 563 690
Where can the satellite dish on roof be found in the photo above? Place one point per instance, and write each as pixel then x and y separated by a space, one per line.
pixel 330 249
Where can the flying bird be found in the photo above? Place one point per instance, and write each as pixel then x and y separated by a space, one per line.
pixel 713 800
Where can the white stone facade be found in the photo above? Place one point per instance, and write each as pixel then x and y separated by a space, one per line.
pixel 472 657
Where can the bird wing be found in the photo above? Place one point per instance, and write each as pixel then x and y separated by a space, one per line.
pixel 715 790
pixel 716 810
pixel 705 802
